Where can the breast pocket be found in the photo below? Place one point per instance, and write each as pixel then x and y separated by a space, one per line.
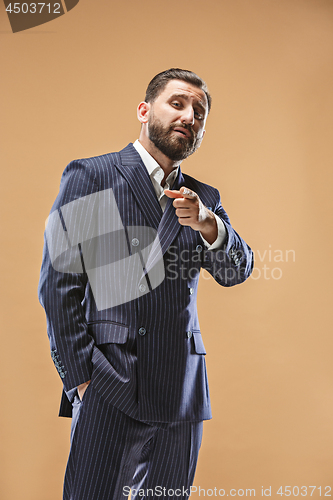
pixel 198 342
pixel 108 332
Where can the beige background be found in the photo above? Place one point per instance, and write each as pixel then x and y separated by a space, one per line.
pixel 69 90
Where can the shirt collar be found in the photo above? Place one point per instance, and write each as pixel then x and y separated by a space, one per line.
pixel 153 168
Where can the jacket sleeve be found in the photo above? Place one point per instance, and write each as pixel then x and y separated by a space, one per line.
pixel 233 263
pixel 63 283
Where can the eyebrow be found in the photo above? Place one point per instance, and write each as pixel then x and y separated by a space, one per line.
pixel 200 104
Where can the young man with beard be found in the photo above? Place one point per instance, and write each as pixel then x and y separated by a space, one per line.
pixel 133 365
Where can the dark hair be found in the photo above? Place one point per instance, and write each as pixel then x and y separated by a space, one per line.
pixel 158 83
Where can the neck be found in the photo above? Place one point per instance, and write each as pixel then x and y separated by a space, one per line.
pixel 164 162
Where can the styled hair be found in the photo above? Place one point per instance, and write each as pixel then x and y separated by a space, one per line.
pixel 159 82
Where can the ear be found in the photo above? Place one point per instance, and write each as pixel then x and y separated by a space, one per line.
pixel 143 112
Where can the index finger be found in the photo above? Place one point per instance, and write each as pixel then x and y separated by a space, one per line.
pixel 173 193
pixel 182 193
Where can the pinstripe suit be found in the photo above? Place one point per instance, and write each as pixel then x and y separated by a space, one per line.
pixel 145 357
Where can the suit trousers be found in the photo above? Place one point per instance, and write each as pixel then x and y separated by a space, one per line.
pixel 112 453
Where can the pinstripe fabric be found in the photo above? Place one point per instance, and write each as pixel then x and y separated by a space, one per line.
pixel 112 453
pixel 156 377
pixel 169 462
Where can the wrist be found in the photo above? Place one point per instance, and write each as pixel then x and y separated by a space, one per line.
pixel 81 389
pixel 209 229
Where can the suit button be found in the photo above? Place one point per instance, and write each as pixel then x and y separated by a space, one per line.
pixel 142 287
pixel 199 248
pixel 142 331
pixel 191 291
pixel 135 242
pixel 188 335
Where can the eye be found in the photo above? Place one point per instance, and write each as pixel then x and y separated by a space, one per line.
pixel 176 104
pixel 198 115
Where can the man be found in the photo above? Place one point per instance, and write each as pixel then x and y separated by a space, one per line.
pixel 132 232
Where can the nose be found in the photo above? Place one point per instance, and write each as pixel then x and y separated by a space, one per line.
pixel 188 116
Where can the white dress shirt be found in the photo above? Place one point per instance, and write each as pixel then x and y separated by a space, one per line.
pixel 156 174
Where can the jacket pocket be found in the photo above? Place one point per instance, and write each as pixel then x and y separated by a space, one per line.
pixel 198 343
pixel 107 332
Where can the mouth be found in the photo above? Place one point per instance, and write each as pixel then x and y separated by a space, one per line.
pixel 183 131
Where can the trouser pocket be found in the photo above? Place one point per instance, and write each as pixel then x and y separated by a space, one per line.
pixel 77 404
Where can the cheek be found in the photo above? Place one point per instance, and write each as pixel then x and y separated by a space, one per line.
pixel 170 114
pixel 200 134
pixel 173 117
pixel 166 110
pixel 198 142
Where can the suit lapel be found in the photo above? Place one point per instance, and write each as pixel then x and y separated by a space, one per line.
pixel 134 171
pixel 167 225
pixel 168 228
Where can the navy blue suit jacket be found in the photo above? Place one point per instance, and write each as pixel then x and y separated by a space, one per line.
pixel 146 356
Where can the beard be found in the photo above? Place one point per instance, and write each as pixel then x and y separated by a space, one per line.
pixel 175 147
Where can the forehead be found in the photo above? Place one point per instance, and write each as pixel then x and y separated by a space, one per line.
pixel 179 87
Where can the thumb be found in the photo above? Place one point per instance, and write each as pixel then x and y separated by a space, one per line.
pixel 187 193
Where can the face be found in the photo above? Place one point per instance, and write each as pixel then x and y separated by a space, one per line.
pixel 177 119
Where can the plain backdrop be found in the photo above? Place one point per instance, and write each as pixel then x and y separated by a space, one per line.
pixel 69 89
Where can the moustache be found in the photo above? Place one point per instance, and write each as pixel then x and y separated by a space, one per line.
pixel 184 126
